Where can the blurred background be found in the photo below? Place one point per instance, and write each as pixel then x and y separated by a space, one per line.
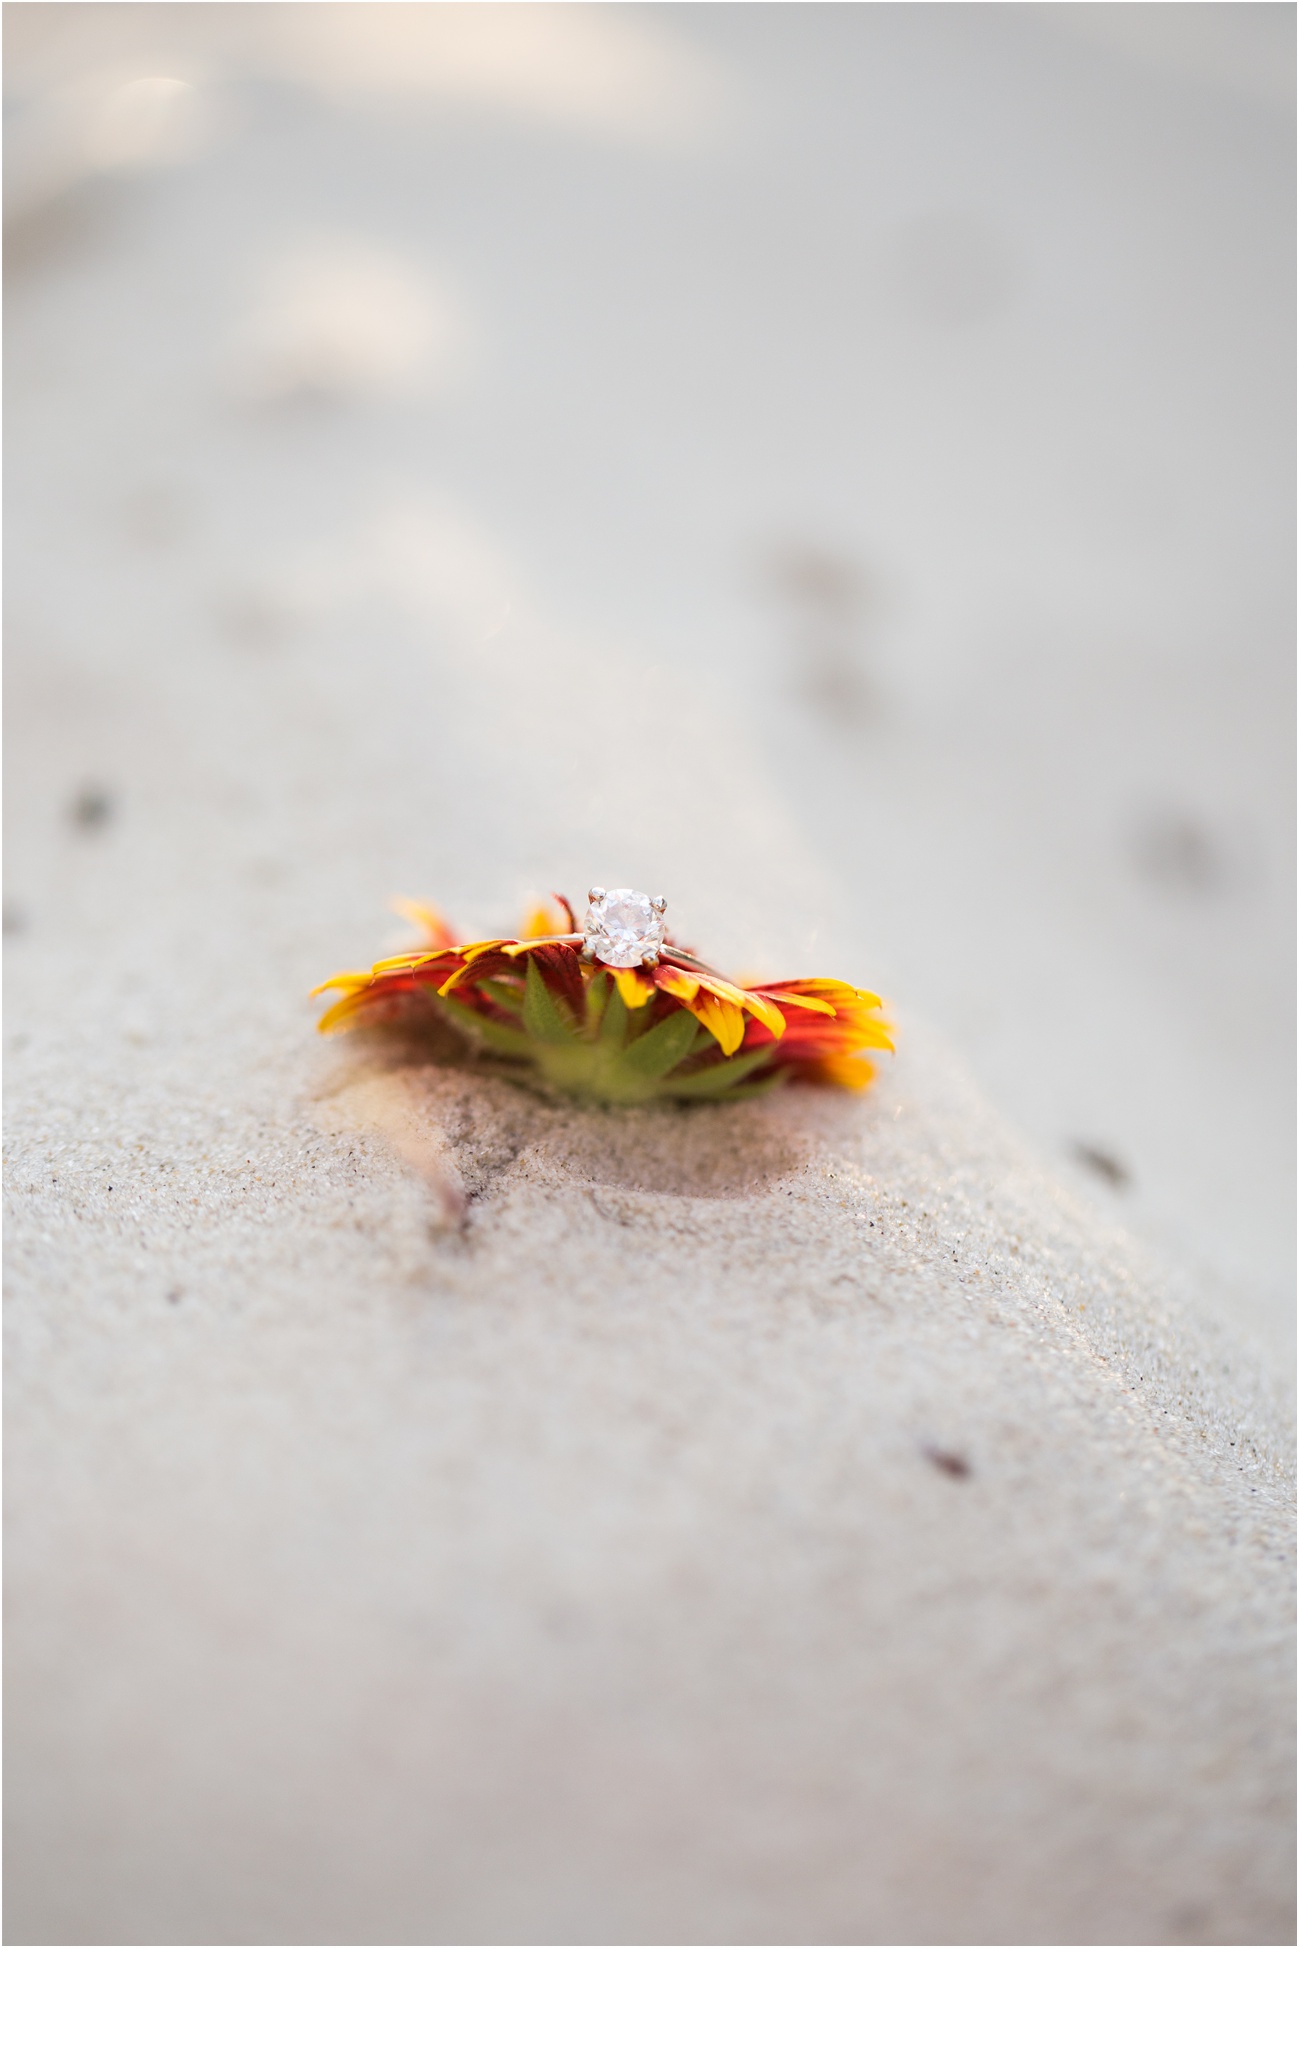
pixel 837 458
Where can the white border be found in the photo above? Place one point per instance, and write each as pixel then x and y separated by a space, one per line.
pixel 647 1997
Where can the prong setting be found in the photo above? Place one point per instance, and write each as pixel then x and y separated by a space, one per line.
pixel 596 895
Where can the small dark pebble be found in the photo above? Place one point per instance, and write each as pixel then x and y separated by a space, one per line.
pixel 176 1294
pixel 1103 1163
pixel 91 809
pixel 950 1462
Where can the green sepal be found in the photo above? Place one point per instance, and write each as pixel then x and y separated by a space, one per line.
pixel 545 1018
pixel 496 1037
pixel 747 1091
pixel 613 1024
pixel 598 990
pixel 617 1056
pixel 663 1046
pixel 718 1080
pixel 507 995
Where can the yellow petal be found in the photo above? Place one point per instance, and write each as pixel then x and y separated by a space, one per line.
pixel 345 1012
pixel 396 960
pixel 513 947
pixel 545 918
pixel 765 1012
pixel 836 993
pixel 344 981
pixel 426 916
pixel 724 1020
pixel 725 991
pixel 469 955
pixel 634 992
pixel 673 982
pixel 845 1070
pixel 744 999
pixel 803 1002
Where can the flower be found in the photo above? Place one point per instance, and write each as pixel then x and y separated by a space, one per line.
pixel 671 1027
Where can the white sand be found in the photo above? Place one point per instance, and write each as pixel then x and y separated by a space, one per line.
pixel 437 1515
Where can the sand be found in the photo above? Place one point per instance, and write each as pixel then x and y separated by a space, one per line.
pixel 437 1514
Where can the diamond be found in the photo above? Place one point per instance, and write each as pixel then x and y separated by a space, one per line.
pixel 624 928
